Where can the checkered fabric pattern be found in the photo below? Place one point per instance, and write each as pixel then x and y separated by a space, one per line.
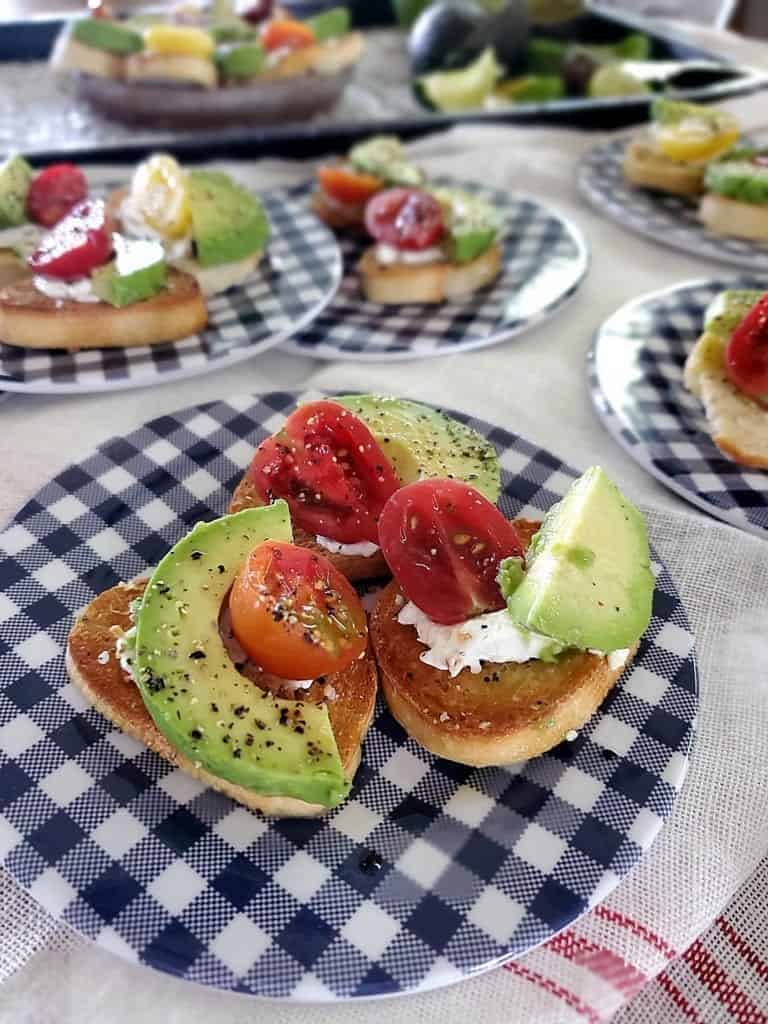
pixel 669 220
pixel 430 871
pixel 544 261
pixel 636 382
pixel 298 275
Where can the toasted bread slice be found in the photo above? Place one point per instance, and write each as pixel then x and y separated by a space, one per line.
pixel 739 424
pixel 335 214
pixel 398 284
pixel 171 69
pixel 645 166
pixel 69 54
pixel 326 58
pixel 113 692
pixel 354 567
pixel 12 267
pixel 505 714
pixel 731 217
pixel 33 320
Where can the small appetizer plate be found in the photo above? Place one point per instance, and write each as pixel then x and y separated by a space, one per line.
pixel 296 278
pixel 669 220
pixel 545 259
pixel 429 873
pixel 635 371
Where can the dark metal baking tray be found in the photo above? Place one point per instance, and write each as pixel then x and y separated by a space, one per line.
pixel 38 116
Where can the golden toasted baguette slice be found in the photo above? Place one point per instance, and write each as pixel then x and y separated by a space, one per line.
pixel 335 214
pixel 69 54
pixel 12 268
pixel 113 692
pixel 726 216
pixel 354 567
pixel 739 424
pixel 33 320
pixel 646 167
pixel 399 283
pixel 326 58
pixel 504 714
pixel 171 68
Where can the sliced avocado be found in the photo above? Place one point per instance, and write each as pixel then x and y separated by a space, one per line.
pixel 545 56
pixel 741 179
pixel 197 698
pixel 588 582
pixel 235 31
pixel 241 60
pixel 472 223
pixel 383 156
pixel 465 89
pixel 228 223
pixel 329 24
pixel 422 442
pixel 138 272
pixel 531 89
pixel 15 176
pixel 726 312
pixel 107 35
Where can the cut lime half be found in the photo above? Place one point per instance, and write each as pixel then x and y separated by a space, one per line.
pixel 465 89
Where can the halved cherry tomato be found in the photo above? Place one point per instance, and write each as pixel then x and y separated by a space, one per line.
pixel 330 469
pixel 746 357
pixel 295 614
pixel 286 34
pixel 443 542
pixel 406 218
pixel 53 192
pixel 348 186
pixel 78 243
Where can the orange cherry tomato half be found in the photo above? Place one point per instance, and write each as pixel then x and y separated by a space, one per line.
pixel 746 357
pixel 348 186
pixel 286 34
pixel 295 614
pixel 443 542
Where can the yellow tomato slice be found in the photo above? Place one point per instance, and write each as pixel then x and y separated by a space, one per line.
pixel 179 39
pixel 159 189
pixel 698 139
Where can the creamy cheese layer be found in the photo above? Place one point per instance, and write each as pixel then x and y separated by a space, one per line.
pixel 78 290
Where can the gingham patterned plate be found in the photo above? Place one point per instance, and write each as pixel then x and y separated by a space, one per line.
pixel 544 260
pixel 430 872
pixel 670 220
pixel 298 275
pixel 636 381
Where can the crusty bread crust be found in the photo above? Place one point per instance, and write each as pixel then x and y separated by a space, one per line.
pixel 115 695
pixel 400 283
pixel 354 567
pixel 336 215
pixel 12 268
pixel 326 58
pixel 726 216
pixel 180 68
pixel 33 320
pixel 739 424
pixel 502 715
pixel 646 167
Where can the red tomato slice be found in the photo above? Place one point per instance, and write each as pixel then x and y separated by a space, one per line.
pixel 295 614
pixel 53 192
pixel 286 34
pixel 443 542
pixel 330 469
pixel 78 243
pixel 406 218
pixel 746 357
pixel 348 186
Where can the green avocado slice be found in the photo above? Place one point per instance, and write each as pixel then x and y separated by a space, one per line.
pixel 329 24
pixel 217 718
pixel 107 35
pixel 15 178
pixel 228 223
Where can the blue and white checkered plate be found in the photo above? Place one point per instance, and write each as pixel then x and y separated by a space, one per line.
pixel 666 219
pixel 544 260
pixel 429 873
pixel 296 278
pixel 636 382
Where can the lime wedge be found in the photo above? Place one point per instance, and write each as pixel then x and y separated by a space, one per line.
pixel 611 81
pixel 465 89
